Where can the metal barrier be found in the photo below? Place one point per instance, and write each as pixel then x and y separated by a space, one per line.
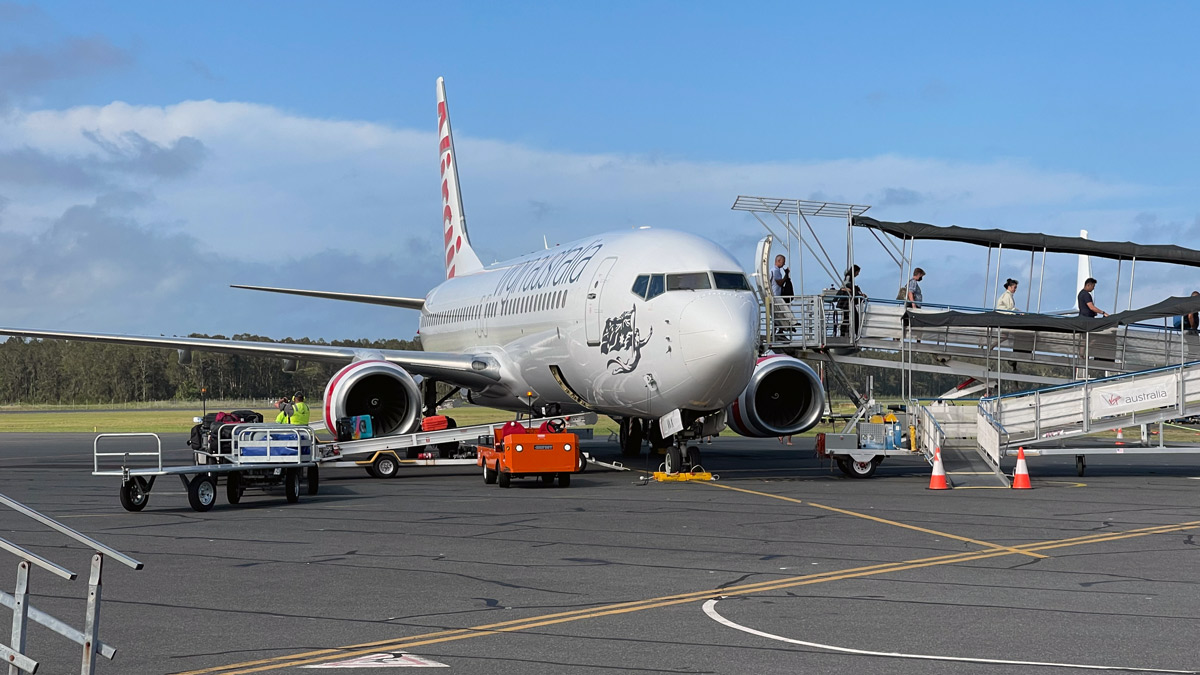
pixel 1090 406
pixel 18 601
pixel 930 434
pixel 96 454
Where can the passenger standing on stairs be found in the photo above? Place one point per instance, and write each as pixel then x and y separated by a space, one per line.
pixel 914 289
pixel 1006 302
pixel 1190 323
pixel 1086 306
pixel 781 292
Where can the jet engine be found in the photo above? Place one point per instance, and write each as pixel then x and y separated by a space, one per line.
pixel 784 397
pixel 377 388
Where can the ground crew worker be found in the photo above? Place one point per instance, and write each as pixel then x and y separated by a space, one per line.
pixel 300 410
pixel 286 411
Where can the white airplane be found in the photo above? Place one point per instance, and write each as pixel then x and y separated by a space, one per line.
pixel 636 325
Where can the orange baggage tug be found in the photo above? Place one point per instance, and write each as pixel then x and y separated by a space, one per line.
pixel 519 452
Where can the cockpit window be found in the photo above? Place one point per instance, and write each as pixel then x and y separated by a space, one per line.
pixel 692 281
pixel 656 287
pixel 731 281
pixel 640 284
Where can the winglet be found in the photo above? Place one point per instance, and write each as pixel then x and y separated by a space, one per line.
pixel 460 257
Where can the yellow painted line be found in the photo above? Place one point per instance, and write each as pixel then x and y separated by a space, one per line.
pixel 325 655
pixel 667 601
pixel 885 521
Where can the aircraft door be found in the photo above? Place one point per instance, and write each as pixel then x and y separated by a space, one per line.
pixel 593 321
pixel 763 278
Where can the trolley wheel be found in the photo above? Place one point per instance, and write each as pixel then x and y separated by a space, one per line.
pixel 564 480
pixel 1080 465
pixel 202 492
pixel 489 474
pixel 692 456
pixel 371 470
pixel 504 479
pixel 674 460
pixel 134 495
pixel 233 487
pixel 314 479
pixel 291 485
pixel 855 469
pixel 385 466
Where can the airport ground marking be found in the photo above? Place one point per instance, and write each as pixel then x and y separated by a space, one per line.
pixel 710 608
pixel 885 521
pixel 515 625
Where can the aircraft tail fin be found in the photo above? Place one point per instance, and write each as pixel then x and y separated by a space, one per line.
pixel 1084 270
pixel 460 257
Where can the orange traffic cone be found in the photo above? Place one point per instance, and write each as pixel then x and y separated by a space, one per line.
pixel 1021 475
pixel 1120 436
pixel 937 481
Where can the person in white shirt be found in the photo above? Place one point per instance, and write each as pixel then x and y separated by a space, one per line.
pixel 1006 302
pixel 778 274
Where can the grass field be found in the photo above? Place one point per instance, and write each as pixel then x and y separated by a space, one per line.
pixel 180 421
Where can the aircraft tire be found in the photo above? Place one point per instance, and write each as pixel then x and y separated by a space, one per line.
pixel 673 460
pixel 631 443
pixel 692 456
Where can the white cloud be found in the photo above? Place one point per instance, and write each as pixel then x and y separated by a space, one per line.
pixel 244 193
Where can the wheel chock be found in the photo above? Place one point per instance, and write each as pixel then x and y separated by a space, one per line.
pixel 663 477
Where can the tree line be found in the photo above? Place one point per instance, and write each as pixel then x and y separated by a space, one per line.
pixel 61 372
pixel 77 373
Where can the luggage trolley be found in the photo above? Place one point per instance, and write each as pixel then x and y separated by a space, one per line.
pixel 259 456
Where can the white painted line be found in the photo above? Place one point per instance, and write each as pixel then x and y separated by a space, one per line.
pixel 711 611
pixel 385 660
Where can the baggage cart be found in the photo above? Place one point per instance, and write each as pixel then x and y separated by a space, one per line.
pixel 247 456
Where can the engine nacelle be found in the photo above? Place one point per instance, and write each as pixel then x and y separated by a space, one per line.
pixel 377 388
pixel 784 397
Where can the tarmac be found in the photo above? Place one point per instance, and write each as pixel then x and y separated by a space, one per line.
pixel 782 565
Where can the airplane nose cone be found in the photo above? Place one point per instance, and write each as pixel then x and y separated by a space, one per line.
pixel 717 339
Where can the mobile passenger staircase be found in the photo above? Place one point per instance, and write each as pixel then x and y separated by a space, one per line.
pixel 1054 420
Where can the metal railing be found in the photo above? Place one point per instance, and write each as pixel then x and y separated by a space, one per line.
pixel 96 454
pixel 830 320
pixel 1084 407
pixel 18 601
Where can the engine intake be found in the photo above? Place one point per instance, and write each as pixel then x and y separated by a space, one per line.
pixel 784 397
pixel 377 388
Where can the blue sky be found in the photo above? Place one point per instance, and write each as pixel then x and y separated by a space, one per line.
pixel 306 166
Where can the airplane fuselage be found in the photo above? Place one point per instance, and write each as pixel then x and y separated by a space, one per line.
pixel 634 323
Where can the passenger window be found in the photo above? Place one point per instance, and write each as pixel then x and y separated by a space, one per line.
pixel 640 284
pixel 656 287
pixel 692 281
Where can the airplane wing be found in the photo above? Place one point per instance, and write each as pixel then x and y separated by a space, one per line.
pixel 469 370
pixel 390 301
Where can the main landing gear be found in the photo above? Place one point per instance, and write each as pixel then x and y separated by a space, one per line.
pixel 676 455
